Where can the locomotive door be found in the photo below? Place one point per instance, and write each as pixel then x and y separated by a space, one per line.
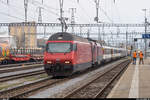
pixel 93 52
pixel 96 53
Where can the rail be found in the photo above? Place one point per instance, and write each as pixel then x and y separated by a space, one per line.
pixel 78 91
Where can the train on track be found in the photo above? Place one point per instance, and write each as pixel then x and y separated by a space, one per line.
pixel 11 55
pixel 67 53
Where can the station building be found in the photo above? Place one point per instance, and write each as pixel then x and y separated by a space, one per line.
pixel 25 35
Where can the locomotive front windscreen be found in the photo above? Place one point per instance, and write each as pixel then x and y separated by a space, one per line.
pixel 58 47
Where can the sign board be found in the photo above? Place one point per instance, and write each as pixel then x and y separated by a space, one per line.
pixel 145 35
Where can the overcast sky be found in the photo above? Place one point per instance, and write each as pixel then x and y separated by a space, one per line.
pixel 122 11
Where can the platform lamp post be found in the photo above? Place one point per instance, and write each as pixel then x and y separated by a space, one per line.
pixel 145 32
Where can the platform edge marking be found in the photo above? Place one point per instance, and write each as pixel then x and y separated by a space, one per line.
pixel 134 90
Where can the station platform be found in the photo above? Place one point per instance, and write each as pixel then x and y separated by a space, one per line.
pixel 134 83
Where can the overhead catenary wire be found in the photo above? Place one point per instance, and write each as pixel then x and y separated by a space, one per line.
pixel 87 16
pixel 49 12
pixel 44 5
pixel 84 11
pixel 34 1
pixel 103 11
pixel 54 12
pixel 17 9
pixel 6 3
pixel 114 7
pixel 117 10
pixel 11 16
pixel 106 15
pixel 45 8
pixel 81 16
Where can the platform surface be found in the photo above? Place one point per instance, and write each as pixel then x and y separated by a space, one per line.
pixel 134 83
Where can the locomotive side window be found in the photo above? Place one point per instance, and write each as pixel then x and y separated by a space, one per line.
pixel 58 47
pixel 75 47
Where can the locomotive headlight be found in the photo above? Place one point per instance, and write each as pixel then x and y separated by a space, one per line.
pixel 49 62
pixel 67 62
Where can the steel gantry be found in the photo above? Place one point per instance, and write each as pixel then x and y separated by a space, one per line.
pixel 50 33
pixel 70 25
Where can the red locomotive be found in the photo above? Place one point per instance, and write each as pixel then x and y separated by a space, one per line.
pixel 67 53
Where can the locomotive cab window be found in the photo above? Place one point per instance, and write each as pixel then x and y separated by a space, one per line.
pixel 59 47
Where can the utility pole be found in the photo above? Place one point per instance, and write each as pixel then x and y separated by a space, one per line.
pixel 99 38
pixel 44 32
pixel 97 11
pixel 133 40
pixel 73 11
pixel 117 36
pixel 145 40
pixel 103 32
pixel 8 2
pixel 61 14
pixel 26 9
pixel 40 15
pixel 80 31
pixel 88 33
pixel 62 19
pixel 126 41
pixel 96 18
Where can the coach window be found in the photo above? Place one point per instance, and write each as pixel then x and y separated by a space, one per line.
pixel 26 51
pixel 29 51
pixel 33 50
pixel 0 51
pixel 21 51
pixel 13 51
pixel 111 51
pixel 116 51
pixel 107 51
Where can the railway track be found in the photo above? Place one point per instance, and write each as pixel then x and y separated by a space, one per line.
pixel 25 90
pixel 22 75
pixel 6 70
pixel 18 65
pixel 96 88
pixel 29 89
